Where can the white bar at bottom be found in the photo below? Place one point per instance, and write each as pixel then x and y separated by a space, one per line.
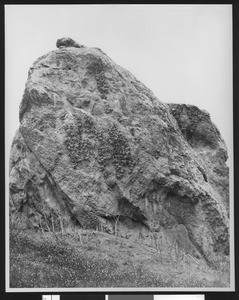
pixel 50 297
pixel 179 297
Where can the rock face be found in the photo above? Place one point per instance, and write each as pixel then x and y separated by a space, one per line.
pixel 97 148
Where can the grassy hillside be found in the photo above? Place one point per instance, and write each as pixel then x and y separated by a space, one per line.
pixel 85 258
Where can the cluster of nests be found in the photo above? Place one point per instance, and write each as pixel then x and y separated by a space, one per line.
pixel 84 148
pixel 79 126
pixel 69 128
pixel 81 149
pixel 100 136
pixel 78 149
pixel 71 145
pixel 104 154
pixel 97 69
pixel 89 125
pixel 102 84
pixel 121 152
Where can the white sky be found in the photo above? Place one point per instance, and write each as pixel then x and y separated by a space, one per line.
pixel 183 53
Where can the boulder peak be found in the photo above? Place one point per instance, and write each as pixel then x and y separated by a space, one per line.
pixel 67 42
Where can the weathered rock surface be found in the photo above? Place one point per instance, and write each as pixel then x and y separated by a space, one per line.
pixel 97 148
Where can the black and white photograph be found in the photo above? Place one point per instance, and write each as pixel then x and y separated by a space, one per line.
pixel 119 148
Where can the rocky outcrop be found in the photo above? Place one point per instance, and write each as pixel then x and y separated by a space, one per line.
pixel 67 42
pixel 97 148
pixel 203 136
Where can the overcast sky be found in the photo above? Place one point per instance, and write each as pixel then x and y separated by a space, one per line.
pixel 183 53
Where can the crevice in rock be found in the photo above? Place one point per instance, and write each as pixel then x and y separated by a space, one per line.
pixel 127 209
pixel 183 209
pixel 203 173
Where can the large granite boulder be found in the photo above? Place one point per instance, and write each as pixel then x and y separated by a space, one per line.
pixel 95 147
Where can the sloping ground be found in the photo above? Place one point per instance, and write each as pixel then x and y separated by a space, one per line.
pixel 84 258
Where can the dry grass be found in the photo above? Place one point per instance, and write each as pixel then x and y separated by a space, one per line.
pixel 84 258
